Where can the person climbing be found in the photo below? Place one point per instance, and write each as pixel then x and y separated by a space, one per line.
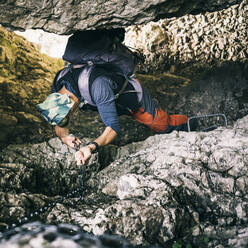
pixel 100 75
pixel 138 103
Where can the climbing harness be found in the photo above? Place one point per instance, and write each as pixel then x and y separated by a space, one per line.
pixel 208 117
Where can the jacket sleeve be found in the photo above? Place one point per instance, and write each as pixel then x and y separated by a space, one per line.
pixel 103 96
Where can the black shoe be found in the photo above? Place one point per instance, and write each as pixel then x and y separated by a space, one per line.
pixel 182 127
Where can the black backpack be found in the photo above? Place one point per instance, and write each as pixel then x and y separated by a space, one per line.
pixel 101 47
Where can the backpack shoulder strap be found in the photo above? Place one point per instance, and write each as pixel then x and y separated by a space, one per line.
pixel 122 89
pixel 58 78
pixel 137 88
pixel 84 85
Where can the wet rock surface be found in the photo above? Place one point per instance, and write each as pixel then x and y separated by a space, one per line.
pixel 65 17
pixel 182 186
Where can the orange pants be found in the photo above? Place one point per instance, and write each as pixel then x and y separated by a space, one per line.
pixel 162 121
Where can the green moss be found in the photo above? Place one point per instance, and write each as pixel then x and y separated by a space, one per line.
pixel 26 76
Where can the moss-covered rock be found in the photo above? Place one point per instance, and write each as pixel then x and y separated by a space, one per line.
pixel 25 79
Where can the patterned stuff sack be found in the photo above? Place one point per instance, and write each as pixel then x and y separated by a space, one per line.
pixel 55 108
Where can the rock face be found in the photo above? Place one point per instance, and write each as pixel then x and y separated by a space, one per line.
pixel 188 187
pixel 25 79
pixel 62 236
pixel 204 40
pixel 65 17
pixel 219 90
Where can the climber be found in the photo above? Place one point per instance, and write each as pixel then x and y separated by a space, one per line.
pixel 101 94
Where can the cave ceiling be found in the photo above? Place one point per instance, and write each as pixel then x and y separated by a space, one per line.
pixel 67 16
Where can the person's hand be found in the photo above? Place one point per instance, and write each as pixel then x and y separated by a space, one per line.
pixel 71 141
pixel 83 155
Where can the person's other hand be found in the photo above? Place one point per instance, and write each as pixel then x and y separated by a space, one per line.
pixel 83 155
pixel 71 141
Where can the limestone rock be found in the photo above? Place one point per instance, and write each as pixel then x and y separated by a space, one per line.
pixel 193 41
pixel 64 17
pixel 186 180
pixel 182 186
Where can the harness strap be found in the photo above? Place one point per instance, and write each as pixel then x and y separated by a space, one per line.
pixel 122 89
pixel 62 73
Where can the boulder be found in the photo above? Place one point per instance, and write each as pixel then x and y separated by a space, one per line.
pixel 188 188
pixel 36 234
pixel 65 17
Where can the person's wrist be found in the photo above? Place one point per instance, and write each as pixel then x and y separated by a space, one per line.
pixel 93 146
pixel 67 139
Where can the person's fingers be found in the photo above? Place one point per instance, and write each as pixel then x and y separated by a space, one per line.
pixel 76 156
pixel 78 141
pixel 79 156
pixel 83 155
pixel 87 156
pixel 79 162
